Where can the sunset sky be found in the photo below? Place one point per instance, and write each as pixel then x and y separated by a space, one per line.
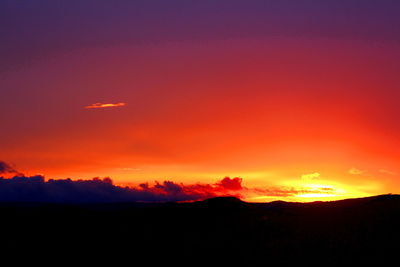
pixel 299 95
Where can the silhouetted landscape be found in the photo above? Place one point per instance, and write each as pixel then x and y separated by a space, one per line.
pixel 221 230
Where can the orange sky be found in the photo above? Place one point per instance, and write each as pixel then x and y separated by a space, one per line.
pixel 278 111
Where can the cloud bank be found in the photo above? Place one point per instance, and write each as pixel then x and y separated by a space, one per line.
pixel 96 190
pixel 37 189
pixel 21 188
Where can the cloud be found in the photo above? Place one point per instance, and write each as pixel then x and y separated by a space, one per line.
pixel 105 105
pixel 21 188
pixel 387 172
pixel 292 192
pixel 356 171
pixel 6 168
pixel 96 190
pixel 36 189
pixel 231 184
pixel 129 169
pixel 310 176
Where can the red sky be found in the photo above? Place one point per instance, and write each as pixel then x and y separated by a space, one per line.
pixel 305 96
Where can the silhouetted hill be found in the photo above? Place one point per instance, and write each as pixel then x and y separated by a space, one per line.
pixel 222 230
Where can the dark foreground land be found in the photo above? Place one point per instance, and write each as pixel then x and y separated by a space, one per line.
pixel 220 231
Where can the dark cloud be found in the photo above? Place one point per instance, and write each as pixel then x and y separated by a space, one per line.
pixel 36 189
pixel 7 168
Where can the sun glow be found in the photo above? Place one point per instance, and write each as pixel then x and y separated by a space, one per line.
pixel 313 192
pixel 322 190
pixel 316 195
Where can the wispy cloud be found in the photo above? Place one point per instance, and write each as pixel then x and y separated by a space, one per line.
pixel 387 172
pixel 310 176
pixel 356 171
pixel 105 105
pixel 6 168
pixel 127 169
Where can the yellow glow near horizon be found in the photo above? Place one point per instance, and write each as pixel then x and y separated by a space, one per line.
pixel 316 195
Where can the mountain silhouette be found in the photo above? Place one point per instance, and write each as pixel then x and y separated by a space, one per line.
pixel 223 230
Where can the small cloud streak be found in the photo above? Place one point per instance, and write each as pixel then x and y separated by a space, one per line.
pixel 127 169
pixel 356 171
pixel 387 172
pixel 310 176
pixel 105 105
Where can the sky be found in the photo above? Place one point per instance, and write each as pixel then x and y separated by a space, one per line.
pixel 287 96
